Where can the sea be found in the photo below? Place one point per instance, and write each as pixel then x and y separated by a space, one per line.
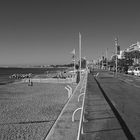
pixel 5 72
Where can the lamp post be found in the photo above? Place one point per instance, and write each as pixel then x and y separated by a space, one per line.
pixel 73 60
pixel 107 58
pixel 79 71
pixel 80 54
pixel 116 45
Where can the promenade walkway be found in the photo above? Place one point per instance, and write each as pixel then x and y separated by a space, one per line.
pixel 64 128
pixel 99 123
pixel 124 95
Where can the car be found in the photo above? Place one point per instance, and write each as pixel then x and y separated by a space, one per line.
pixel 130 71
pixel 83 71
pixel 137 71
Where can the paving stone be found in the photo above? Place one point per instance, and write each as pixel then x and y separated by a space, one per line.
pixel 98 114
pixel 97 108
pixel 105 135
pixel 95 102
pixel 101 125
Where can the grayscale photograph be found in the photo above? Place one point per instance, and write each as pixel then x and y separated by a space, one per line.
pixel 69 70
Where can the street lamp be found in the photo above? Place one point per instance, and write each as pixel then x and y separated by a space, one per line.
pixel 116 46
pixel 80 53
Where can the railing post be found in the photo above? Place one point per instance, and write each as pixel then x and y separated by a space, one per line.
pixel 69 89
pixel 80 108
pixel 80 96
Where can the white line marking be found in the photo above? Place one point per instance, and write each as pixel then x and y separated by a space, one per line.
pixel 129 83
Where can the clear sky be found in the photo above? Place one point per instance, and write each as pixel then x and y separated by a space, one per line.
pixel 45 32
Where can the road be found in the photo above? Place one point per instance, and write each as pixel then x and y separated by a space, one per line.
pixel 118 116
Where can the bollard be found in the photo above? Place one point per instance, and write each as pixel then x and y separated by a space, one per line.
pixel 78 77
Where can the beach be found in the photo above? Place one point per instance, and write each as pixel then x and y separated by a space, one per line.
pixel 28 112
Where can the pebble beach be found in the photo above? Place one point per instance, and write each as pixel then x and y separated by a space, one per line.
pixel 28 112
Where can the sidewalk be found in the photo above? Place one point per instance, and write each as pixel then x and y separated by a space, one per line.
pixel 125 99
pixel 100 122
pixel 64 128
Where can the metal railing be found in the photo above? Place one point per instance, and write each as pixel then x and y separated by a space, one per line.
pixel 80 129
pixel 69 89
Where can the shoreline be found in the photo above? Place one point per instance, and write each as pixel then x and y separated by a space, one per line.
pixel 20 73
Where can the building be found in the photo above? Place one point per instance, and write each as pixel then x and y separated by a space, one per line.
pixel 133 47
pixel 121 55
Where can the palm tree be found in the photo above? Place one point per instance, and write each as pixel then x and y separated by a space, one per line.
pixel 128 55
pixel 136 55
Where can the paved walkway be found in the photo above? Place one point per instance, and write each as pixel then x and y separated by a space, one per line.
pixel 100 122
pixel 126 98
pixel 64 128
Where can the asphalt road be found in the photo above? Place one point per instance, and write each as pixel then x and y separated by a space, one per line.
pixel 125 96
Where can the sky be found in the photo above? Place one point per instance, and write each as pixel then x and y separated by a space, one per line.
pixel 45 32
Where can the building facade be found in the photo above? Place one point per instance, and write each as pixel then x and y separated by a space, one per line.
pixel 133 47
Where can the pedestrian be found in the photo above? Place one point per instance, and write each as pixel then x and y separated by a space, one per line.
pixel 78 77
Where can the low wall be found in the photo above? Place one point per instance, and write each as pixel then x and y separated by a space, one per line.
pixel 50 80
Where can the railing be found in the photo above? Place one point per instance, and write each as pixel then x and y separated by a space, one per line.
pixel 69 89
pixel 80 129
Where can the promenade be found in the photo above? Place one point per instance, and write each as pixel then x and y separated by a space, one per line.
pixel 64 128
pixel 122 91
pixel 110 111
pixel 99 122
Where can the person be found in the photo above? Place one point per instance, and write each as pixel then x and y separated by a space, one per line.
pixel 78 77
pixel 30 82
